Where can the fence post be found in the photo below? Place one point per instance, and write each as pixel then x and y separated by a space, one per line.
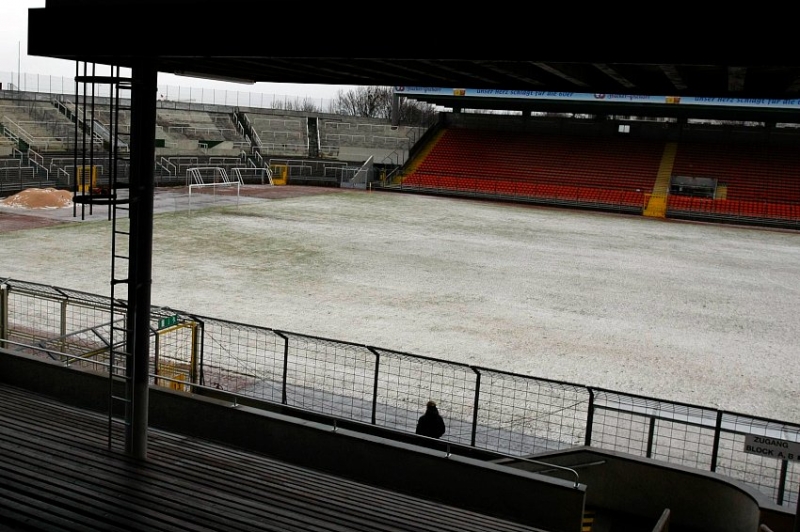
pixel 3 313
pixel 589 419
pixel 285 365
pixel 715 448
pixel 475 404
pixel 650 436
pixel 199 348
pixel 63 317
pixel 782 482
pixel 156 358
pixel 375 382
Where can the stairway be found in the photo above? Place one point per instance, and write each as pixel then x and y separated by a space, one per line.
pixel 313 137
pixel 414 163
pixel 657 203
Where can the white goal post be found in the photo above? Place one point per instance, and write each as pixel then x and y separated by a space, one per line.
pixel 210 176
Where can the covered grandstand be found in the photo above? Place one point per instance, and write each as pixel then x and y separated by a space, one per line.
pixel 600 173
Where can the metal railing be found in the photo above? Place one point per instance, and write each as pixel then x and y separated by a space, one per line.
pixel 66 86
pixel 489 409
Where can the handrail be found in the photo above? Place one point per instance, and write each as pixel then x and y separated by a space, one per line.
pixel 449 453
pixel 335 427
pixel 35 156
pixel 67 358
pixel 254 136
pixel 541 463
pixel 61 172
pixel 10 135
pixel 662 525
pixel 168 165
pixel 37 160
pixel 20 132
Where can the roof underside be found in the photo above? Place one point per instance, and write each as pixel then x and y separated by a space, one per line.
pixel 242 39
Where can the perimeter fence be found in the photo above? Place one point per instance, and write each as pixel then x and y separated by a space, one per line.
pixel 66 86
pixel 485 408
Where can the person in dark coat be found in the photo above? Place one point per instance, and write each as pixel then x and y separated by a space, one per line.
pixel 431 423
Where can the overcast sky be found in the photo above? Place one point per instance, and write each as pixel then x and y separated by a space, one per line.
pixel 14 58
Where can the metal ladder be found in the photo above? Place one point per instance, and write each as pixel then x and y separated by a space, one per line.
pixel 120 333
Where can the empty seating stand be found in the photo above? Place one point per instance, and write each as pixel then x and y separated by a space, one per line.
pixel 578 170
pixel 755 182
pixel 199 131
pixel 58 475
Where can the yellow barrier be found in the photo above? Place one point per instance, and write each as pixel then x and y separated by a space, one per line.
pixel 80 179
pixel 280 173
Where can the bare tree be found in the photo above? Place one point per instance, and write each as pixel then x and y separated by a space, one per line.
pixel 298 104
pixel 306 105
pixel 368 102
pixel 413 112
pixel 376 102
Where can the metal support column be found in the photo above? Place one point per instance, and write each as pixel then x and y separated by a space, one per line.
pixel 143 125
pixel 395 109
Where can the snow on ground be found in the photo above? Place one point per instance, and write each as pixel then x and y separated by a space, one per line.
pixel 697 313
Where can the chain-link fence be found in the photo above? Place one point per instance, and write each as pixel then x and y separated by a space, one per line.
pixel 484 408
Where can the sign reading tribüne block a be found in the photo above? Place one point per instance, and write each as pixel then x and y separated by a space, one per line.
pixel 772 447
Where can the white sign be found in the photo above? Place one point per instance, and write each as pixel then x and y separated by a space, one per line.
pixel 772 447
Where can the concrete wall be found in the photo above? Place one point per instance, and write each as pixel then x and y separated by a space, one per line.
pixel 697 500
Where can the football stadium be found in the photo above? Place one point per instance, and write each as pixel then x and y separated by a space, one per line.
pixel 231 317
